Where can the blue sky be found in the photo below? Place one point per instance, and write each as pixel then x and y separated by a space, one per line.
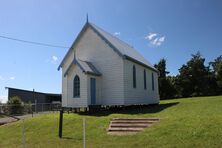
pixel 173 29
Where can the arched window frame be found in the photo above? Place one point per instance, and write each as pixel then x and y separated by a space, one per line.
pixel 76 87
pixel 152 82
pixel 134 76
pixel 144 78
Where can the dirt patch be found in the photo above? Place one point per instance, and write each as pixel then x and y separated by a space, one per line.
pixel 7 120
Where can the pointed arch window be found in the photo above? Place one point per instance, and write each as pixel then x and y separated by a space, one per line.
pixel 134 76
pixel 76 87
pixel 144 78
pixel 152 81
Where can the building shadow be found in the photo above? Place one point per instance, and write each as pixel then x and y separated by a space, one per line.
pixel 129 110
pixel 68 138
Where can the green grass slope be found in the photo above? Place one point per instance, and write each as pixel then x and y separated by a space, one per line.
pixel 194 122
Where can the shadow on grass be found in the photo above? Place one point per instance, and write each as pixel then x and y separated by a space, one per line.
pixel 130 110
pixel 68 138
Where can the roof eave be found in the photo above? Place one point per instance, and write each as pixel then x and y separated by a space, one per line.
pixel 140 63
pixel 95 74
pixel 74 43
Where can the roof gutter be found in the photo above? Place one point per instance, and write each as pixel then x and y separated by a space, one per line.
pixel 140 63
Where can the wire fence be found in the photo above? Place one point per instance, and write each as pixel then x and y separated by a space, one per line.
pixel 21 109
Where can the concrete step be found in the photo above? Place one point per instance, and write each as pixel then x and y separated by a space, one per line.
pixel 137 119
pixel 131 122
pixel 125 129
pixel 129 125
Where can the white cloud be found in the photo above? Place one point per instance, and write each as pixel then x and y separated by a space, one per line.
pixel 155 39
pixel 116 33
pixel 12 78
pixel 151 36
pixel 161 40
pixel 54 58
pixel 7 78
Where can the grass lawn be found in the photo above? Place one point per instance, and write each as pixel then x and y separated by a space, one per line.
pixel 194 122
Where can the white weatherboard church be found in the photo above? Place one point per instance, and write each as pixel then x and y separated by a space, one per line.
pixel 100 69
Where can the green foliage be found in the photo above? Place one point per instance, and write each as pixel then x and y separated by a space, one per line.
pixel 161 66
pixel 15 105
pixel 217 71
pixel 15 101
pixel 28 108
pixel 186 123
pixel 194 78
pixel 166 89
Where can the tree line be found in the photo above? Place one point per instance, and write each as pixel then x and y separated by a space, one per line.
pixel 194 78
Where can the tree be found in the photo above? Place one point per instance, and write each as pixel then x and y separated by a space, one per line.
pixel 15 105
pixel 194 78
pixel 161 67
pixel 166 89
pixel 217 72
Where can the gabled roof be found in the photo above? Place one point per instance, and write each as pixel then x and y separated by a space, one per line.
pixel 85 66
pixel 120 47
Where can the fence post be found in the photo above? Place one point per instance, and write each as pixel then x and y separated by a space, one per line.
pixel 84 133
pixel 60 123
pixel 35 106
pixel 23 133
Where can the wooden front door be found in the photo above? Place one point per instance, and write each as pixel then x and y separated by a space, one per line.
pixel 93 90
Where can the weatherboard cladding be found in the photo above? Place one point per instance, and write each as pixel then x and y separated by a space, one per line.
pixel 120 47
pixel 92 48
pixel 73 45
pixel 115 84
pixel 82 100
pixel 139 95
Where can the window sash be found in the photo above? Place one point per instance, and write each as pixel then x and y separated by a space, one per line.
pixel 76 87
pixel 144 76
pixel 152 82
pixel 134 77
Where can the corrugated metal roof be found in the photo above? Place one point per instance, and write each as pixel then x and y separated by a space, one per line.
pixel 123 47
pixel 120 47
pixel 88 67
pixel 85 66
